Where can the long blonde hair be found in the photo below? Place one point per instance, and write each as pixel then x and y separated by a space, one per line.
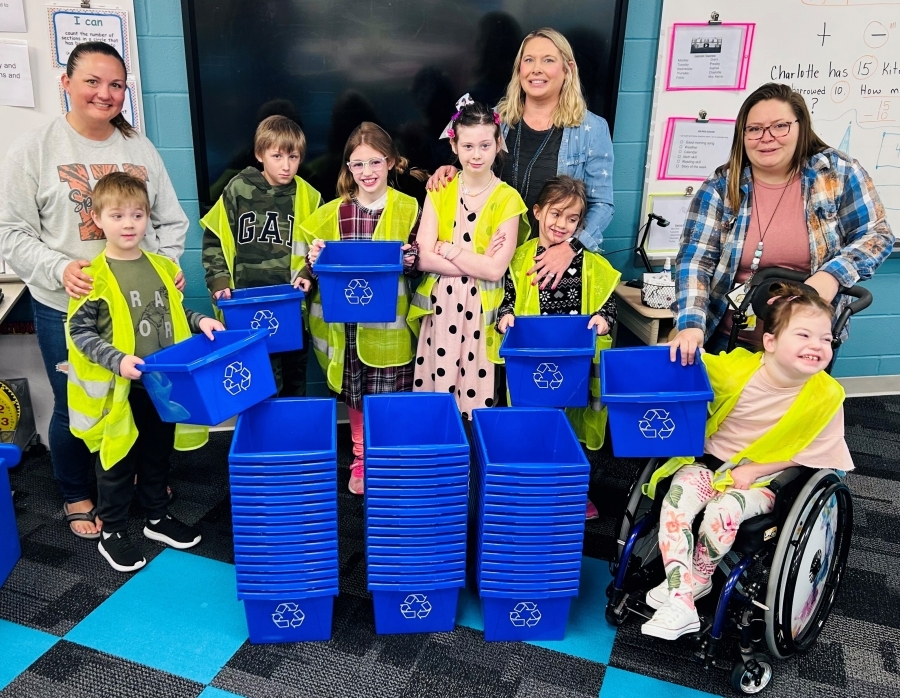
pixel 808 143
pixel 570 109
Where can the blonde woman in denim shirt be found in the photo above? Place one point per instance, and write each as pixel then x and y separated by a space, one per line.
pixel 549 131
pixel 837 232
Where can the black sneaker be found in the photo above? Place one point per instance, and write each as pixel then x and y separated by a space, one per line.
pixel 120 553
pixel 172 532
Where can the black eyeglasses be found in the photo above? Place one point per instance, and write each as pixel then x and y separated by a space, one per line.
pixel 779 130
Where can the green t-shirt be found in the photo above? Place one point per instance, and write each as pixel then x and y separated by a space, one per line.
pixel 148 300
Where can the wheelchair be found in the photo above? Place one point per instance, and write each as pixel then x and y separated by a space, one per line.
pixel 785 568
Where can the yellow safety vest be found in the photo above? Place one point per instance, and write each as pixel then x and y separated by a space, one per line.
pixel 379 344
pixel 99 412
pixel 502 204
pixel 814 407
pixel 306 200
pixel 598 281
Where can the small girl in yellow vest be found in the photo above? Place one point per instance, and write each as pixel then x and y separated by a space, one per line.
pixel 469 232
pixel 364 359
pixel 586 289
pixel 771 410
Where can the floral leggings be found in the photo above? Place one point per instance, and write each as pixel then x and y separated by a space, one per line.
pixel 691 491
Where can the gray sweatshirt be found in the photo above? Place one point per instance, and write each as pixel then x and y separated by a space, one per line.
pixel 45 201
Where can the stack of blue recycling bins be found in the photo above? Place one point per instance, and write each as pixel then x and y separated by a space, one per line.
pixel 529 489
pixel 416 499
pixel 283 473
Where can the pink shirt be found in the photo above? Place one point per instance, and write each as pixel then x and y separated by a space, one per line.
pixel 785 238
pixel 758 409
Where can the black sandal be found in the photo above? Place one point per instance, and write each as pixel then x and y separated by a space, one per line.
pixel 90 516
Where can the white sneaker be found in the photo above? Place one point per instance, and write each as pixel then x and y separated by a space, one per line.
pixel 658 596
pixel 672 621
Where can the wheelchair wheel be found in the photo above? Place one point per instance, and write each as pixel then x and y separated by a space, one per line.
pixel 808 564
pixel 751 680
pixel 638 506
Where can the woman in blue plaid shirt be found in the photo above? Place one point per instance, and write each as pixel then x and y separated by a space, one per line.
pixel 784 199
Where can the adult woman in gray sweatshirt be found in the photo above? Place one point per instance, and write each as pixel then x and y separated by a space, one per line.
pixel 47 235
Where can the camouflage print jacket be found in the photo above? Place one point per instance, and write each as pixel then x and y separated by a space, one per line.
pixel 261 220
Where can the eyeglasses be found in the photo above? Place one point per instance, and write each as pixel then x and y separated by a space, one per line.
pixel 358 166
pixel 779 130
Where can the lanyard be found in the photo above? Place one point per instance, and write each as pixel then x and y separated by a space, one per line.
pixel 527 175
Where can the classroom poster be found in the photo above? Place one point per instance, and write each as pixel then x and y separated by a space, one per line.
pixel 70 26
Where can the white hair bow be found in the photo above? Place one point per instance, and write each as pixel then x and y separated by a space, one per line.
pixel 461 103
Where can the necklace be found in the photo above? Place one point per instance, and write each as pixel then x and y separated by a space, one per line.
pixel 526 184
pixel 757 254
pixel 465 190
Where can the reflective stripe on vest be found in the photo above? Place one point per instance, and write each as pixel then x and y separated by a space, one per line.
pixel 814 407
pixel 99 412
pixel 598 281
pixel 378 345
pixel 502 204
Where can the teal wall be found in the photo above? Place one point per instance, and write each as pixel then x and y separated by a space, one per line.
pixel 874 348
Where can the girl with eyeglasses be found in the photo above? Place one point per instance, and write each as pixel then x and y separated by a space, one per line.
pixel 784 199
pixel 364 359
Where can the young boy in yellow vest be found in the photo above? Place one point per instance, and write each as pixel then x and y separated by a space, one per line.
pixel 253 230
pixel 133 310
pixel 585 289
pixel 771 410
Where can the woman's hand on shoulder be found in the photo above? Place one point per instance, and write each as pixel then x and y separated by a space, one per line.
pixel 551 264
pixel 76 282
pixel 441 178
pixel 687 341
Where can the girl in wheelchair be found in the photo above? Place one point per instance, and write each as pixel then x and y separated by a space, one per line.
pixel 771 410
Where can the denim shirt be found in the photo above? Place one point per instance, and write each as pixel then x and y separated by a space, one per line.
pixel 848 235
pixel 586 153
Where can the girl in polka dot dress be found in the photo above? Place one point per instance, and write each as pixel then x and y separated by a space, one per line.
pixel 467 237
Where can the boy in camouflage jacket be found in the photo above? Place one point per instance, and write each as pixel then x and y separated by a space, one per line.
pixel 249 233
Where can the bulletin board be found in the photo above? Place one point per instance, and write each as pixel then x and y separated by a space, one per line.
pixel 843 56
pixel 51 29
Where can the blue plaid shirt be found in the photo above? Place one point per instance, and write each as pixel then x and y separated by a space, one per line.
pixel 848 235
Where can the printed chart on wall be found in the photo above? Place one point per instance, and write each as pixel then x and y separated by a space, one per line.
pixel 843 56
pixel 36 39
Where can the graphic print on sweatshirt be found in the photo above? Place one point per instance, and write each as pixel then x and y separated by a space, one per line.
pixel 80 190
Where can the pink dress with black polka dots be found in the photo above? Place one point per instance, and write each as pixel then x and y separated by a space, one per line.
pixel 451 356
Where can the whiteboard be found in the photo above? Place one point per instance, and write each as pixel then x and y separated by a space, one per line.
pixel 48 94
pixel 843 56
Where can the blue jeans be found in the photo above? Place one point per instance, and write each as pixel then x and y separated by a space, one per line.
pixel 72 461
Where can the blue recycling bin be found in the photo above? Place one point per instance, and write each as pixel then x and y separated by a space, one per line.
pixel 10 548
pixel 203 381
pixel 283 470
pixel 548 360
pixel 278 309
pixel 657 407
pixel 358 280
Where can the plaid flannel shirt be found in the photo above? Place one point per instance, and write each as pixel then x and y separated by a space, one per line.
pixel 848 235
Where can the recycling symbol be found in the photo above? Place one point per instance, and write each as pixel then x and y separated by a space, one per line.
pixel 415 606
pixel 358 292
pixel 288 615
pixel 237 377
pixel 656 424
pixel 525 613
pixel 264 319
pixel 548 376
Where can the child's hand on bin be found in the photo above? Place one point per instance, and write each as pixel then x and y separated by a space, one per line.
pixel 127 367
pixel 601 324
pixel 224 293
pixel 301 283
pixel 506 322
pixel 315 250
pixel 208 325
